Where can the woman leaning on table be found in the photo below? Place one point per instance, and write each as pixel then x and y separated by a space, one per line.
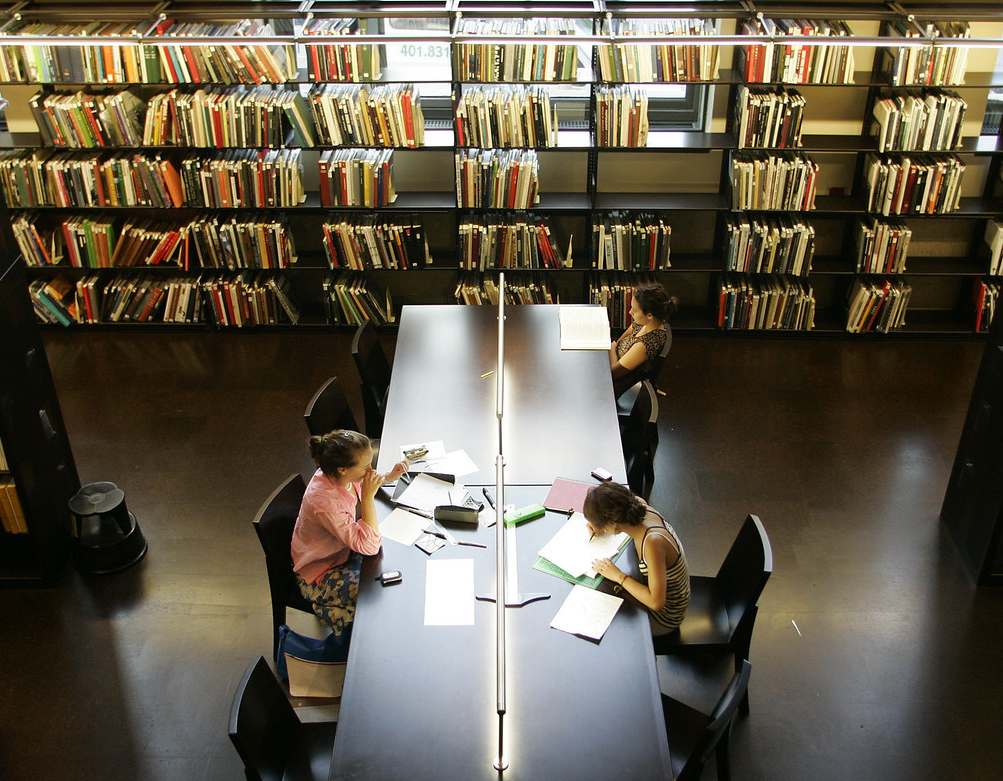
pixel 337 524
pixel 631 356
pixel 665 585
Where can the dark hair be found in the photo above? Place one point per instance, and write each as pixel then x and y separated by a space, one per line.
pixel 610 503
pixel 653 300
pixel 337 449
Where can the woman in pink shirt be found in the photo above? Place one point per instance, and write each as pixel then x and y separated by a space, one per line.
pixel 337 524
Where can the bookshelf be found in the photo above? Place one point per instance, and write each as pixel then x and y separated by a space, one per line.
pixel 489 86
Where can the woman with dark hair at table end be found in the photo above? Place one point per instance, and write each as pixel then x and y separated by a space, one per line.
pixel 631 357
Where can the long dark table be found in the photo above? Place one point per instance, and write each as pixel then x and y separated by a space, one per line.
pixel 559 415
pixel 419 701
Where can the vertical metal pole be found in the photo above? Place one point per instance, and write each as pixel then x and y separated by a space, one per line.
pixel 500 763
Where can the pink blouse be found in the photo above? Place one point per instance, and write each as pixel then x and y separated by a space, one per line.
pixel 327 529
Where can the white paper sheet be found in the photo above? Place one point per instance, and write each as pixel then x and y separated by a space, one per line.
pixel 403 527
pixel 449 592
pixel 425 493
pixel 573 551
pixel 586 612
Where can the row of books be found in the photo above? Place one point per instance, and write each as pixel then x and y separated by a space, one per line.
pixel 497 179
pixel 616 294
pixel 83 120
pixel 794 63
pixel 351 299
pixel 785 181
pixel 506 116
pixel 919 184
pixel 985 296
pixel 877 304
pixel 621 116
pixel 768 118
pixel 115 241
pixel 882 246
pixel 492 62
pixel 220 116
pixel 631 242
pixel 994 240
pixel 663 62
pixel 11 513
pixel 476 289
pixel 368 242
pixel 927 65
pixel 243 178
pixel 145 63
pixel 342 61
pixel 772 302
pixel 382 115
pixel 357 177
pixel 509 243
pixel 919 122
pixel 769 244
pixel 74 179
pixel 53 300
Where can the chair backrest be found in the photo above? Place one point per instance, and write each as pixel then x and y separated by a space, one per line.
pixel 745 570
pixel 659 360
pixel 328 410
pixel 374 369
pixel 263 724
pixel 274 525
pixel 721 716
pixel 639 438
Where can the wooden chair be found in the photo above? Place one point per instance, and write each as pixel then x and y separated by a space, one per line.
pixel 272 742
pixel 722 610
pixel 374 369
pixel 274 525
pixel 694 734
pixel 639 437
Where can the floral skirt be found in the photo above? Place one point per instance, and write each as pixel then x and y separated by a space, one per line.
pixel 333 596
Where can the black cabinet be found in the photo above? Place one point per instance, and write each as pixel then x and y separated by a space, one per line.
pixel 34 438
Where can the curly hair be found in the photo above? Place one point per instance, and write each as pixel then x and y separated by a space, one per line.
pixel 337 449
pixel 612 503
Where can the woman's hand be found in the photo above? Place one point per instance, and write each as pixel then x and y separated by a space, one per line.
pixel 399 469
pixel 608 570
pixel 371 482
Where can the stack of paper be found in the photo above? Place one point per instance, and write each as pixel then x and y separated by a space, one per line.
pixel 572 550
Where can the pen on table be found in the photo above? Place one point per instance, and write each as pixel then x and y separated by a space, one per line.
pixel 405 478
pixel 416 511
pixel 489 497
pixel 487 374
pixel 440 535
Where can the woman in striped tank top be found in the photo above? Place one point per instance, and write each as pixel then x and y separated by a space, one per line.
pixel 665 585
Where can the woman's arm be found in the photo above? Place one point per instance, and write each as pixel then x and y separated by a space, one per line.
pixel 634 357
pixel 651 594
pixel 371 483
pixel 612 349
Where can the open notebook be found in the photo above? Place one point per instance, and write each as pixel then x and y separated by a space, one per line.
pixel 584 328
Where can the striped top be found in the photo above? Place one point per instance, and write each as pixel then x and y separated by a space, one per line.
pixel 677 582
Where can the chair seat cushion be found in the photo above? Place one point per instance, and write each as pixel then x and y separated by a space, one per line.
pixel 684 728
pixel 706 622
pixel 310 755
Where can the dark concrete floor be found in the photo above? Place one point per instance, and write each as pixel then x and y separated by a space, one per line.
pixel 874 655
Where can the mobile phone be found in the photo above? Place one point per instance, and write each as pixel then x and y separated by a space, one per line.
pixel 602 474
pixel 390 577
